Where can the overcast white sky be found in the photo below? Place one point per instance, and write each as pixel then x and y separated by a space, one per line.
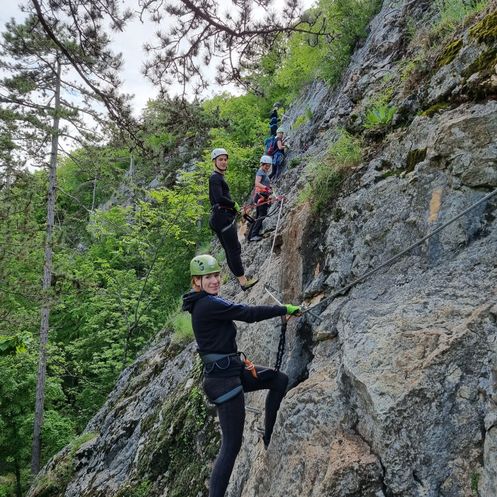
pixel 130 44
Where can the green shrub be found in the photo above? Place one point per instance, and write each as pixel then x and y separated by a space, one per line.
pixel 475 479
pixel 302 119
pixel 379 115
pixel 453 12
pixel 181 325
pixel 326 176
pixel 304 57
pixel 7 486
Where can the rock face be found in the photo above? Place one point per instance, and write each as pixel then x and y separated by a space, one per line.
pixel 394 392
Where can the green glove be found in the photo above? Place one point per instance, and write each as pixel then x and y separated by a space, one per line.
pixel 293 310
pixel 237 207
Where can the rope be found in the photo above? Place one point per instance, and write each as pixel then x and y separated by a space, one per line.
pixel 275 234
pixel 399 255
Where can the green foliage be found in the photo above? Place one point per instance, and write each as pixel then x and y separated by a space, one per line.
pixel 241 133
pixel 305 57
pixel 13 344
pixel 453 12
pixel 17 391
pixel 379 115
pixel 302 119
pixel 138 489
pixel 181 324
pixel 475 479
pixel 379 111
pixel 7 486
pixel 327 176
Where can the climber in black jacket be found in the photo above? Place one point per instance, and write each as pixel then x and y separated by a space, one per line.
pixel 223 217
pixel 226 375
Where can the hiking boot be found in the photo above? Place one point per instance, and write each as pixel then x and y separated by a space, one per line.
pixel 250 283
pixel 255 238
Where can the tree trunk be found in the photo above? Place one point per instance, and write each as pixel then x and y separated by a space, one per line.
pixel 94 193
pixel 18 479
pixel 47 278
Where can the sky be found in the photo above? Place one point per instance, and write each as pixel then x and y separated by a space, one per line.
pixel 130 44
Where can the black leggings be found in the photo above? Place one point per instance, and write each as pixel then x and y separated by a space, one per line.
pixel 260 213
pixel 220 221
pixel 232 419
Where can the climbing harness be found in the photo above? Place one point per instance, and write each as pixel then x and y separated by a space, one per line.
pixel 247 208
pixel 366 275
pixel 228 226
pixel 226 208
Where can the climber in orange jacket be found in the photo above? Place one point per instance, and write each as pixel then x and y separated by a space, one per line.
pixel 261 198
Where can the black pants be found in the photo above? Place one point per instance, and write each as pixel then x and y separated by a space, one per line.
pixel 223 224
pixel 260 213
pixel 232 419
pixel 278 159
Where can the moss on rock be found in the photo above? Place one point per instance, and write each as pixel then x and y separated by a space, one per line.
pixel 485 31
pixel 438 107
pixel 449 53
pixel 182 443
pixel 53 482
pixel 485 62
pixel 415 157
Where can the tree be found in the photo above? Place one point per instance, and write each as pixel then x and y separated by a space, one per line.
pixel 37 92
pixel 84 30
pixel 204 31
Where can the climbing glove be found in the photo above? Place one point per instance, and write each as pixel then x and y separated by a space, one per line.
pixel 293 310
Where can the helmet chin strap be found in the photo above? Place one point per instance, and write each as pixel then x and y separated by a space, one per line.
pixel 219 169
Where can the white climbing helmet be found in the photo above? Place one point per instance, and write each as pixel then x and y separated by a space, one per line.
pixel 217 152
pixel 281 130
pixel 265 159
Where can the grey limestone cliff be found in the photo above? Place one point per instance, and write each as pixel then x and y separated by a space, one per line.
pixel 394 392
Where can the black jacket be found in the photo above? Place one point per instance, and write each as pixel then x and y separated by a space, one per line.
pixel 212 320
pixel 219 192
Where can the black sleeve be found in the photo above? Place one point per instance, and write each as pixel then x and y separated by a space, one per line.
pixel 216 191
pixel 225 310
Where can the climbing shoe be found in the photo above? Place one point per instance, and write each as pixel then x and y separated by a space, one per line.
pixel 250 283
pixel 255 238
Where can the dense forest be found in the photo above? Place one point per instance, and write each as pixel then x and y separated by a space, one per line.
pixel 130 205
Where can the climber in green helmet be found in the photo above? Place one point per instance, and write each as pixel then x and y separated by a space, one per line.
pixel 226 375
pixel 223 217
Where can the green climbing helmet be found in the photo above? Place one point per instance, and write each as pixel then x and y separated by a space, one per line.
pixel 204 264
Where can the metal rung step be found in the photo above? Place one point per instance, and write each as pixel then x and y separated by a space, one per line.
pixel 254 410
